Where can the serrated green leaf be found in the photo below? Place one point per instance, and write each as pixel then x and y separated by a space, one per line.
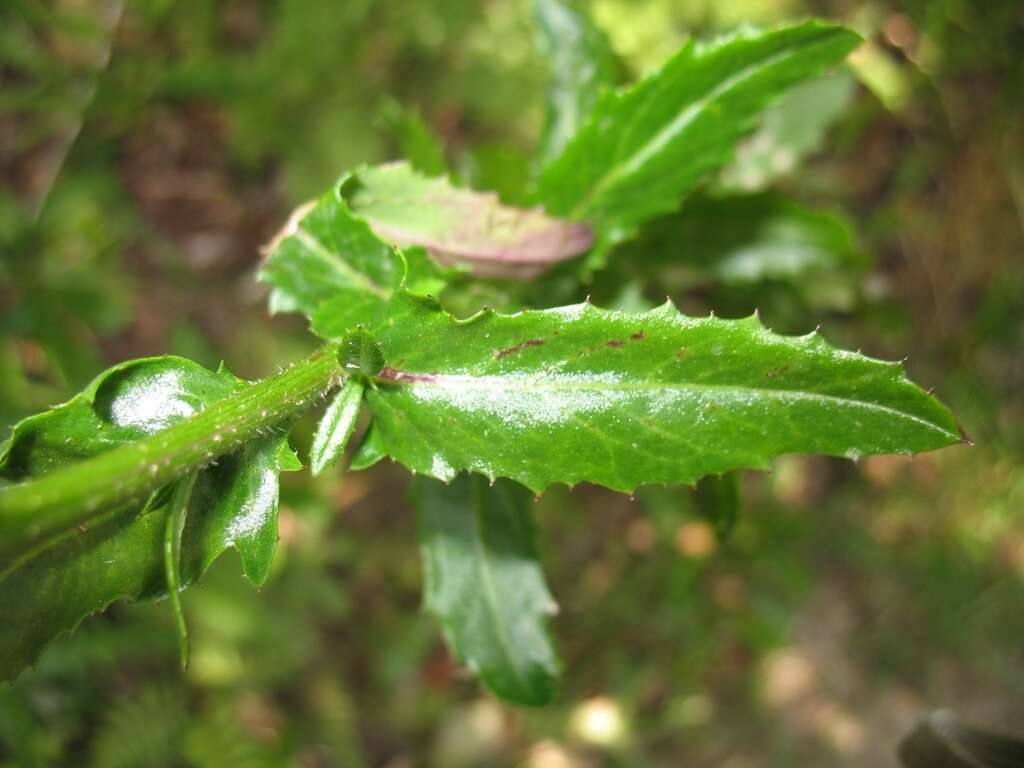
pixel 234 504
pixel 580 62
pixel 332 255
pixel 49 593
pixel 483 581
pixel 582 394
pixel 340 316
pixel 791 130
pixel 459 226
pixel 646 147
pixel 328 255
pixel 48 589
pixel 336 427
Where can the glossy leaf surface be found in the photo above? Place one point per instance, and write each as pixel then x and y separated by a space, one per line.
pixel 647 146
pixel 336 426
pixel 234 504
pixel 484 583
pixel 581 394
pixel 327 256
pixel 48 589
pixel 331 254
pixel 459 226
pixel 580 63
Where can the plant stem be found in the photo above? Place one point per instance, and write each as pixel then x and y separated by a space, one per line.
pixel 39 508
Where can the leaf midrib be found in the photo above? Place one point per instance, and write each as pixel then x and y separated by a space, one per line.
pixel 339 265
pixel 504 383
pixel 491 594
pixel 667 134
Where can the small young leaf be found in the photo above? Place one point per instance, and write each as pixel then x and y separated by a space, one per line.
pixel 172 557
pixel 581 394
pixel 581 62
pixel 646 147
pixel 370 450
pixel 483 581
pixel 336 426
pixel 459 226
pixel 234 504
pixel 48 588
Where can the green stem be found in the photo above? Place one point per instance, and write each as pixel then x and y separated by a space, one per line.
pixel 39 508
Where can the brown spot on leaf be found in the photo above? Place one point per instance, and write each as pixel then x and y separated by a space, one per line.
pixel 681 353
pixel 616 343
pixel 776 372
pixel 638 336
pixel 518 347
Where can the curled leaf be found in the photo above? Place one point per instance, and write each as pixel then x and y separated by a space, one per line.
pixel 460 227
pixel 47 588
pixel 336 426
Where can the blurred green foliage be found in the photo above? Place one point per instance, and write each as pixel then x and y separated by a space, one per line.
pixel 148 149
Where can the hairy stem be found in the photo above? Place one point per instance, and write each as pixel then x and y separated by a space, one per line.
pixel 39 508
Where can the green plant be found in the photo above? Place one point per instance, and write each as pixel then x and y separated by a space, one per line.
pixel 135 486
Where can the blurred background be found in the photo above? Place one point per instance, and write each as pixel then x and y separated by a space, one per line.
pixel 148 149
